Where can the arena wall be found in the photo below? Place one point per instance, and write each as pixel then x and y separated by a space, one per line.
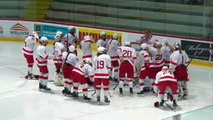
pixel 200 50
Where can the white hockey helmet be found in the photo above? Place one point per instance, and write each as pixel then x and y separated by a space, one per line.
pixel 165 41
pixel 115 36
pixel 144 46
pixel 177 46
pixel 71 28
pixel 127 44
pixel 101 49
pixel 34 33
pixel 165 68
pixel 71 48
pixel 88 61
pixel 43 39
pixel 58 33
pixel 156 43
pixel 102 33
pixel 87 37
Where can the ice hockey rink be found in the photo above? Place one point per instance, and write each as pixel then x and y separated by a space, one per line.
pixel 20 99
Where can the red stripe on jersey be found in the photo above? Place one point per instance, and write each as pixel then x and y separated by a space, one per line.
pixel 46 57
pixel 41 62
pixel 112 57
pixel 174 63
pixel 101 74
pixel 27 51
pixel 145 56
pixel 157 63
pixel 58 60
pixel 87 41
pixel 87 56
pixel 91 76
pixel 135 43
pixel 167 77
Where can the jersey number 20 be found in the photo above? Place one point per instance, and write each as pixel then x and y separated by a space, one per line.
pixel 127 54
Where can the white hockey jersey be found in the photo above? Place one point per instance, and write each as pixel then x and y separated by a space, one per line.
pixel 102 66
pixel 166 53
pixel 157 58
pixel 101 43
pixel 69 58
pixel 58 49
pixel 29 44
pixel 127 53
pixel 143 58
pixel 70 39
pixel 178 58
pixel 165 76
pixel 148 41
pixel 86 49
pixel 111 49
pixel 84 69
pixel 41 55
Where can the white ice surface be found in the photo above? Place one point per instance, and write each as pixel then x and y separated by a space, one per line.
pixel 21 100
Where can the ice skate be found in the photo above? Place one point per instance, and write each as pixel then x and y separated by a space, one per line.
pixel 131 91
pixel 141 93
pixel 40 86
pixel 185 96
pixel 64 91
pixel 46 88
pixel 75 94
pixel 106 100
pixel 86 98
pixel 98 99
pixel 161 104
pixel 121 91
pixel 174 104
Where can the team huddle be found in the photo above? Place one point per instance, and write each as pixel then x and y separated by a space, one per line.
pixel 164 65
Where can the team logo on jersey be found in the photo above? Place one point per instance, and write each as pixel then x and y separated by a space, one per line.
pixel 19 30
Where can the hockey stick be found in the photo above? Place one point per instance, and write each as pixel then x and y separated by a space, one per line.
pixel 170 107
pixel 189 62
pixel 95 93
pixel 115 86
pixel 91 90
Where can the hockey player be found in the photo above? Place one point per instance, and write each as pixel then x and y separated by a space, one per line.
pixel 127 57
pixel 102 41
pixel 165 79
pixel 28 50
pixel 111 51
pixel 80 73
pixel 58 49
pixel 144 58
pixel 147 37
pixel 102 66
pixel 178 62
pixel 156 61
pixel 167 51
pixel 69 62
pixel 42 61
pixel 70 38
pixel 86 47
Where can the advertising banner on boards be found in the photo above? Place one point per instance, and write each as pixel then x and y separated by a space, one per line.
pixel 15 29
pixel 49 30
pixel 197 49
